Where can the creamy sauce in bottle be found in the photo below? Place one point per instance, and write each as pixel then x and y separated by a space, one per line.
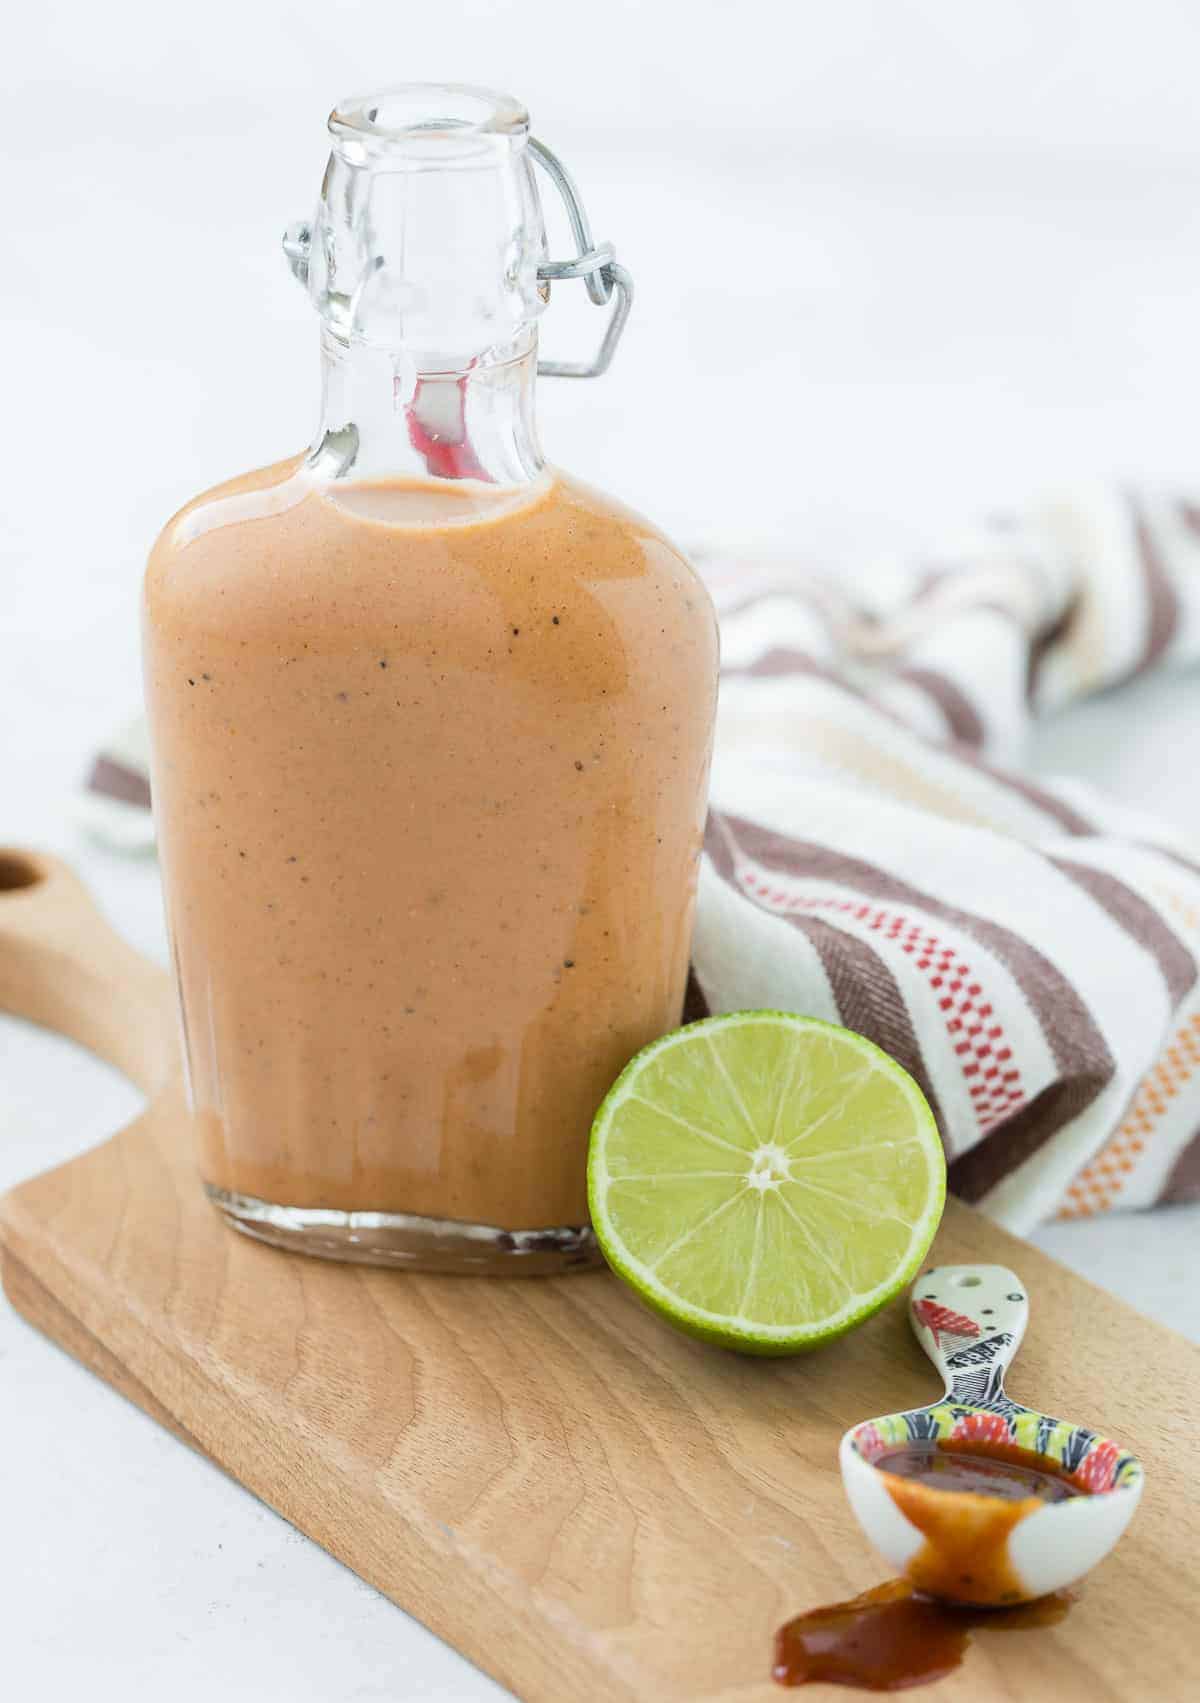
pixel 430 787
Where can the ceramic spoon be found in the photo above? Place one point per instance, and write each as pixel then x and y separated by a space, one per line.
pixel 976 1548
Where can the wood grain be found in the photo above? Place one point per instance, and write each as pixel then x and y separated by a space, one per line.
pixel 582 1502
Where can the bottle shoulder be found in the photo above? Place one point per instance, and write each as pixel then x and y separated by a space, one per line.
pixel 257 479
pixel 215 506
pixel 594 504
pixel 591 511
pixel 278 545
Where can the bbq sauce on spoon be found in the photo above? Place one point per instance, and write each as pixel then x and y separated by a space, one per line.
pixel 981 1469
pixel 965 1499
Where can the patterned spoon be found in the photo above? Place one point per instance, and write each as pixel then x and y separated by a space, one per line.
pixel 1045 1500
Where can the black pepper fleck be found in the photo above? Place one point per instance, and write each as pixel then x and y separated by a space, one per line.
pixel 568 963
pixel 555 619
pixel 191 682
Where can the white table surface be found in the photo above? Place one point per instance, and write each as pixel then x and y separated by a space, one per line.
pixel 882 332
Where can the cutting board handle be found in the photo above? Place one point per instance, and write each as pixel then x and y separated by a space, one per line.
pixel 62 966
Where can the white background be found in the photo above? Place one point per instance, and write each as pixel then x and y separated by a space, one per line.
pixel 895 262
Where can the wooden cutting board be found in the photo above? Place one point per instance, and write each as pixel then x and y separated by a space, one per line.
pixel 585 1504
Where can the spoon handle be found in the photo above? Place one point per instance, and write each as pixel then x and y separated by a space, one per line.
pixel 970 1319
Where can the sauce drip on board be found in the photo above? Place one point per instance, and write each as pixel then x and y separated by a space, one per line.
pixel 890 1637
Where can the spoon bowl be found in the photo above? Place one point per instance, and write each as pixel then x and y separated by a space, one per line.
pixel 964 1546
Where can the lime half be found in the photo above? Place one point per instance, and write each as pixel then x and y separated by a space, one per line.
pixel 765 1181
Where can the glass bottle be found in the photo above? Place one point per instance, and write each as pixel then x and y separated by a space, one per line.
pixel 431 727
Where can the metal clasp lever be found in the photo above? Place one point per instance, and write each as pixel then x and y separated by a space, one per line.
pixel 607 281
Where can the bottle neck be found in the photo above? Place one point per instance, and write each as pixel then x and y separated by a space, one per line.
pixel 422 261
pixel 385 417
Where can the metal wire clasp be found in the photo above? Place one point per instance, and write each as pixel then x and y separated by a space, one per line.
pixel 607 281
pixel 597 265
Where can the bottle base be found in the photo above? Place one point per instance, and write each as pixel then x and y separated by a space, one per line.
pixel 407 1241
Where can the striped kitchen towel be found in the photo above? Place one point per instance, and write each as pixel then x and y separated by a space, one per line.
pixel 874 855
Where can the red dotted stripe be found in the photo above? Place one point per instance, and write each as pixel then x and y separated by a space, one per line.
pixel 991 1074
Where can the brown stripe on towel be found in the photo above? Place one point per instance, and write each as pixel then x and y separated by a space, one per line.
pixel 1049 803
pixel 815 596
pixel 782 661
pixel 1139 920
pixel 1171 855
pixel 905 781
pixel 1162 602
pixel 1079 1049
pixel 1183 1183
pixel 865 991
pixel 112 779
pixel 975 1173
pixel 1042 643
pixel 963 720
pixel 869 999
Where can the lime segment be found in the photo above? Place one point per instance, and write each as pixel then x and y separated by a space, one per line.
pixel 765 1181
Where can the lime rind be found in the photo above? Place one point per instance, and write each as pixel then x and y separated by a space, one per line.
pixel 853 1183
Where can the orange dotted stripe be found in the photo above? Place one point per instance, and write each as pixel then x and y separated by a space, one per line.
pixel 1179 907
pixel 1097 1185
